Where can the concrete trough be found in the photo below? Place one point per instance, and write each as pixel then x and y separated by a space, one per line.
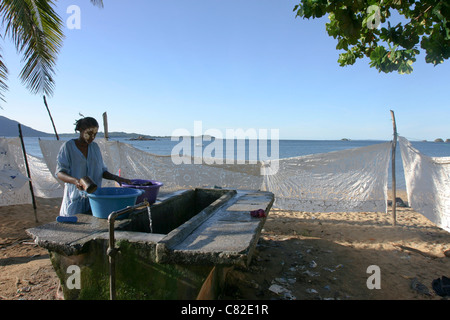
pixel 197 236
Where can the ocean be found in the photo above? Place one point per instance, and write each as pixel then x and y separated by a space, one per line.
pixel 285 149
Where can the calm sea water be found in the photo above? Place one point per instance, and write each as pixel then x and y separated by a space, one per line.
pixel 286 149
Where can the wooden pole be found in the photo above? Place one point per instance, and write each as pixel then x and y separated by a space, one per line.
pixel 51 119
pixel 394 191
pixel 105 124
pixel 28 172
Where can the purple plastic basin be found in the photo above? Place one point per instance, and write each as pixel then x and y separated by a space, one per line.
pixel 150 188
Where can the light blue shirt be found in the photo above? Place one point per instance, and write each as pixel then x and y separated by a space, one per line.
pixel 72 161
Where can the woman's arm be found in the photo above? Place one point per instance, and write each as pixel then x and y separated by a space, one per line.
pixel 69 179
pixel 109 176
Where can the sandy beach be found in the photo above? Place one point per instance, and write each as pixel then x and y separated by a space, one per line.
pixel 300 255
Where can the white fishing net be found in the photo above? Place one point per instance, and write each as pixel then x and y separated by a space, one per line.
pixel 13 190
pixel 45 185
pixel 349 180
pixel 340 181
pixel 18 191
pixel 427 184
pixel 137 164
pixel 353 180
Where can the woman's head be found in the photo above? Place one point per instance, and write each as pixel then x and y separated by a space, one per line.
pixel 85 123
pixel 88 128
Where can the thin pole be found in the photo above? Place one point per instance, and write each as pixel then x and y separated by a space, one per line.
pixel 394 191
pixel 28 173
pixel 51 119
pixel 105 124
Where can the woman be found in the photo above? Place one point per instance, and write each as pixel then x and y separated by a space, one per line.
pixel 78 158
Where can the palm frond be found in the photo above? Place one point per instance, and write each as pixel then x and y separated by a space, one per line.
pixel 98 3
pixel 36 30
pixel 3 78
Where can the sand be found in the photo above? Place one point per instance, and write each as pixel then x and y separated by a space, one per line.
pixel 300 255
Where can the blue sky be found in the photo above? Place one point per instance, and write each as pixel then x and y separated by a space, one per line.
pixel 157 66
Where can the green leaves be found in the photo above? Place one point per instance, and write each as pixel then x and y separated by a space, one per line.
pixel 392 60
pixel 36 30
pixel 311 9
pixel 437 44
pixel 3 77
pixel 349 57
pixel 360 30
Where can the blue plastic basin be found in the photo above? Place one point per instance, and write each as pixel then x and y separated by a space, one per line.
pixel 104 201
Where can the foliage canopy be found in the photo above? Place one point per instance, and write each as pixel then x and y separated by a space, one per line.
pixel 388 32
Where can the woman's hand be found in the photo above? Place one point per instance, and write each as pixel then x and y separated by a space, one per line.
pixel 69 179
pixel 79 185
pixel 121 180
pixel 109 176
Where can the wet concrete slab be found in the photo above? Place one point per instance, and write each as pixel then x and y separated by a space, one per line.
pixel 70 238
pixel 187 262
pixel 229 236
pixel 223 233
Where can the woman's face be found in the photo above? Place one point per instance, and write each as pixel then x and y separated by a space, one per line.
pixel 89 134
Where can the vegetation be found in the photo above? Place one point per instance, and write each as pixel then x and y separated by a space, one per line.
pixel 363 28
pixel 36 30
pixel 388 32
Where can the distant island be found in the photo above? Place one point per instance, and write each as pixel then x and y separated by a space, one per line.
pixel 141 138
pixel 10 128
pixel 442 140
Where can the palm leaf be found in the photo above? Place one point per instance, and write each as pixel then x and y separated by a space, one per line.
pixel 36 30
pixel 3 78
pixel 98 3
